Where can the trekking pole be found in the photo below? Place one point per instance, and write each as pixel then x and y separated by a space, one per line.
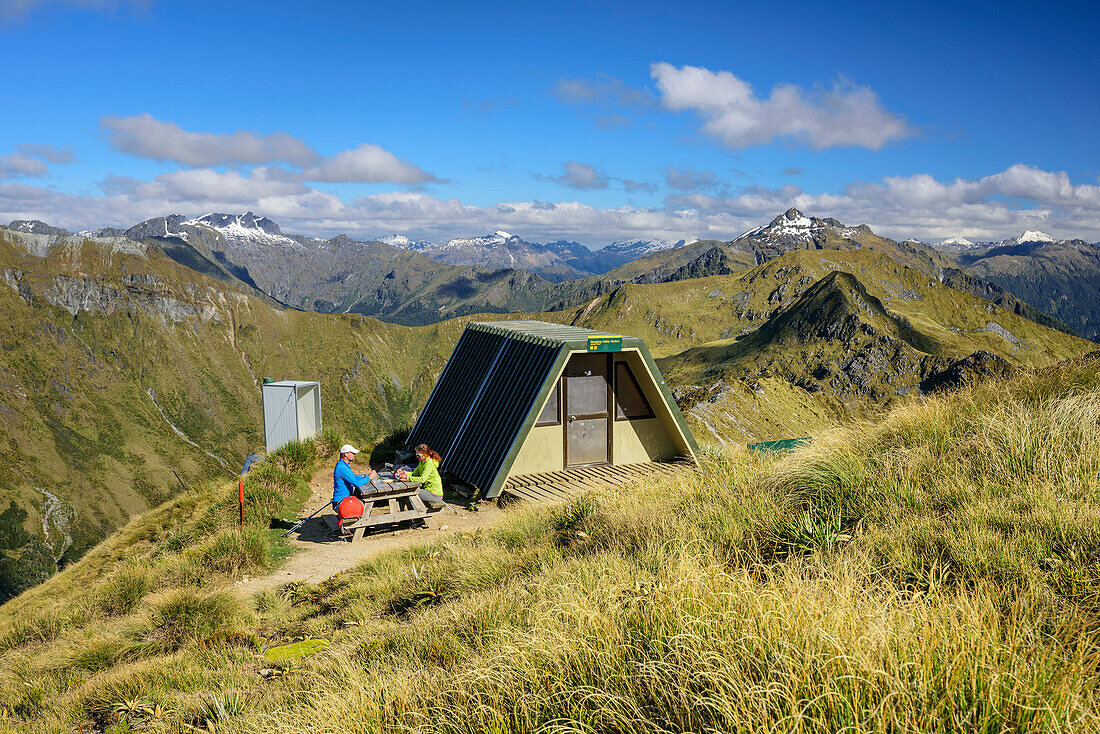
pixel 303 522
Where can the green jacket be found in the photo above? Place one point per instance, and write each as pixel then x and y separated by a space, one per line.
pixel 427 473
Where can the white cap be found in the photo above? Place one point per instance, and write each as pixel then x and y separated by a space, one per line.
pixel 348 447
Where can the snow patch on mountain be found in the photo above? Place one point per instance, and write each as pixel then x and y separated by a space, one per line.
pixel 638 248
pixel 242 229
pixel 1033 236
pixel 960 242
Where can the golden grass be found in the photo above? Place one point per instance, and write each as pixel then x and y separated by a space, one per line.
pixel 934 571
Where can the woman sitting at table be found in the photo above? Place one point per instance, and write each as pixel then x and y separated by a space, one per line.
pixel 427 473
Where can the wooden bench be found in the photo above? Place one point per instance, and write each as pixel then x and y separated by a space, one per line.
pixel 388 504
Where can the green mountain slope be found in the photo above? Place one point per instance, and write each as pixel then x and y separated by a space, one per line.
pixel 120 366
pixel 1059 278
pixel 811 338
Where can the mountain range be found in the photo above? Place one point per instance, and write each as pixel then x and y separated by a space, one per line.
pixel 1059 277
pixel 554 261
pixel 419 282
pixel 131 362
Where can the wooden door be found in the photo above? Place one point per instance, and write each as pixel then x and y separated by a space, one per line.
pixel 586 393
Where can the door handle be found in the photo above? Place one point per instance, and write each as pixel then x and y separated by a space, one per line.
pixel 572 418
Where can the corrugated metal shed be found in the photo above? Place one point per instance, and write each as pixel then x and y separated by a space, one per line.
pixel 292 411
pixel 491 389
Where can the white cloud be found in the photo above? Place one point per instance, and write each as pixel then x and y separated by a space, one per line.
pixel 48 153
pixel 17 9
pixel 997 206
pixel 369 164
pixel 686 178
pixel 736 116
pixel 21 164
pixel 29 160
pixel 145 136
pixel 580 176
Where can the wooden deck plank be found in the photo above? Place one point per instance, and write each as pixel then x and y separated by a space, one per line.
pixel 525 494
pixel 570 481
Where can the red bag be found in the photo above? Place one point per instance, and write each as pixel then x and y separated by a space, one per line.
pixel 350 508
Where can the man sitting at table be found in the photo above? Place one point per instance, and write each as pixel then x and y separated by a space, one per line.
pixel 345 482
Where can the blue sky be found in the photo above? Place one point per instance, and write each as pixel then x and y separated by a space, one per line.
pixel 586 121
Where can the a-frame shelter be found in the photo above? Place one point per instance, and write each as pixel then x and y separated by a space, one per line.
pixel 523 398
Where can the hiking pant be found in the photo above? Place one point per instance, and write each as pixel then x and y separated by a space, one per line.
pixel 429 498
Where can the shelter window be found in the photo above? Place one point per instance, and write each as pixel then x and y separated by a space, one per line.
pixel 630 402
pixel 551 414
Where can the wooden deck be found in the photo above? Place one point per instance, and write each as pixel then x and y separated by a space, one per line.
pixel 557 485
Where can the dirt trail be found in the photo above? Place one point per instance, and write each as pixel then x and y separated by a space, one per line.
pixel 320 554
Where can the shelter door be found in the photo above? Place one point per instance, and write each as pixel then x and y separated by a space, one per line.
pixel 586 390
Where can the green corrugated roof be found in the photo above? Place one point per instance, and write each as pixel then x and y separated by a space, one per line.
pixel 572 336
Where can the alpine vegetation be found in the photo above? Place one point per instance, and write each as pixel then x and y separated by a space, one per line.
pixel 932 570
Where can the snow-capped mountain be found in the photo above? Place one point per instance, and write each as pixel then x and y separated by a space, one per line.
pixel 554 261
pixel 242 229
pixel 794 229
pixel 632 249
pixel 400 240
pixel 498 250
pixel 1030 236
pixel 36 226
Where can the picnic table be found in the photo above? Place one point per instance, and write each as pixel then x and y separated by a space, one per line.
pixel 386 503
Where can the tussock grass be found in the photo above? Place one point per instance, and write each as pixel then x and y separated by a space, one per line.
pixel 181 616
pixel 231 552
pixel 932 571
pixel 295 457
pixel 328 442
pixel 124 589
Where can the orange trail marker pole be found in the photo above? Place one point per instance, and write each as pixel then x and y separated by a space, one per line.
pixel 240 487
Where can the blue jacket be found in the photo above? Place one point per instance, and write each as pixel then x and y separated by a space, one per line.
pixel 344 480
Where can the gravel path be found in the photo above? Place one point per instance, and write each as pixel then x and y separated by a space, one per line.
pixel 320 554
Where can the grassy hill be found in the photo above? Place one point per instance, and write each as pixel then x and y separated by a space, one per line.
pixel 122 366
pixel 934 570
pixel 811 338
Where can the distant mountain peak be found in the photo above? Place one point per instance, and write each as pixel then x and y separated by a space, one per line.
pixel 246 221
pixel 958 242
pixel 36 226
pixel 637 248
pixel 1034 236
pixel 792 215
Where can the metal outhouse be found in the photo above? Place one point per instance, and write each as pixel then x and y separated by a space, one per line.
pixel 292 412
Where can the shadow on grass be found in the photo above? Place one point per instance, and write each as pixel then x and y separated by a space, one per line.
pixel 385 451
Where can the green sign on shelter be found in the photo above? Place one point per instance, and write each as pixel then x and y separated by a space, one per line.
pixel 605 344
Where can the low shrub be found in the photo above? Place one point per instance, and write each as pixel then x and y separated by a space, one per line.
pixel 231 551
pixel 187 615
pixel 296 457
pixel 124 589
